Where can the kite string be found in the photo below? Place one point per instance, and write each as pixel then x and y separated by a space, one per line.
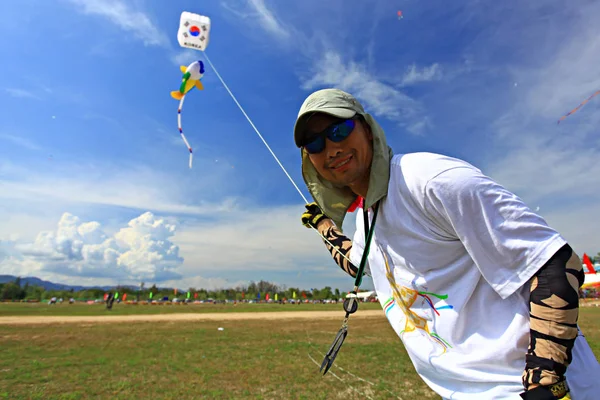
pixel 254 127
pixel 272 153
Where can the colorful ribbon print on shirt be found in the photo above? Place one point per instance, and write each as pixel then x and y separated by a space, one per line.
pixel 405 298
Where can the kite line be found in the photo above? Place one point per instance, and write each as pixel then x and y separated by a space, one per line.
pixel 271 151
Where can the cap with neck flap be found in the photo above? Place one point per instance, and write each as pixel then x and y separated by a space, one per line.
pixel 335 200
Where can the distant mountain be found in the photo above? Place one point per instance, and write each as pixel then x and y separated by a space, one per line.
pixel 33 281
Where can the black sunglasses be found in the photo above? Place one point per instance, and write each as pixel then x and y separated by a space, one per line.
pixel 335 132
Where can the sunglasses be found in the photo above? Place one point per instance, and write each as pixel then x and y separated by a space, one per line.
pixel 335 132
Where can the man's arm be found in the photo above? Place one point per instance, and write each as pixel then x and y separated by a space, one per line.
pixel 338 243
pixel 554 310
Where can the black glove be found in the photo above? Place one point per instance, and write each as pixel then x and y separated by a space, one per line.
pixel 558 391
pixel 313 215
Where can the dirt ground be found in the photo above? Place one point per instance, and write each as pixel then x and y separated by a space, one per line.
pixel 28 320
pixel 312 315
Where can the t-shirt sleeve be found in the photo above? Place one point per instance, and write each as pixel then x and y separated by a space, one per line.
pixel 506 240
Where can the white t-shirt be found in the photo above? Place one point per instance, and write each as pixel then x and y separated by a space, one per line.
pixel 449 237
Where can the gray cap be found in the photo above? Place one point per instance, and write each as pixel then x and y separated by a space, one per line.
pixel 334 102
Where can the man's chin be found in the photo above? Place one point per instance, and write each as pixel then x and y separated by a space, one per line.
pixel 343 181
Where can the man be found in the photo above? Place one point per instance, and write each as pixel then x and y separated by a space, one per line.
pixel 483 294
pixel 110 299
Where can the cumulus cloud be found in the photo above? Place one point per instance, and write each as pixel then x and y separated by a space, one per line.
pixel 141 251
pixel 240 248
pixel 13 262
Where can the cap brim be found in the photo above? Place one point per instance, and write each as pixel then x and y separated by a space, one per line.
pixel 300 125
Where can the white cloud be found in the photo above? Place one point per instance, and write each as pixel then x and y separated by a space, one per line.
pixel 238 247
pixel 560 178
pixel 256 12
pixel 217 238
pixel 267 18
pixel 322 51
pixel 133 187
pixel 135 21
pixel 13 262
pixel 20 141
pixel 21 93
pixel 578 224
pixel 141 251
pixel 378 98
pixel 553 166
pixel 257 243
pixel 23 224
pixel 414 74
pixel 540 169
pixel 184 57
pixel 567 75
pixel 254 239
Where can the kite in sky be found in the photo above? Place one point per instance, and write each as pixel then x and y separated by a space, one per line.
pixel 191 78
pixel 579 106
pixel 193 33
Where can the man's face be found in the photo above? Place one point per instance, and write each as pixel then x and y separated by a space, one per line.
pixel 347 162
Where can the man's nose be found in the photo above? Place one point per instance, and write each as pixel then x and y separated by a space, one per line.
pixel 332 148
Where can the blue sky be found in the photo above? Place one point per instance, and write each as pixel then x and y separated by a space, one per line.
pixel 94 182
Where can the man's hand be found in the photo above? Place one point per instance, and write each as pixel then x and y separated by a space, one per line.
pixel 336 242
pixel 313 215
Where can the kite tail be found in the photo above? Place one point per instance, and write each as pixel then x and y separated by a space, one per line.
pixel 181 129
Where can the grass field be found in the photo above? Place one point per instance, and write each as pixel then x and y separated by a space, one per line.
pixel 270 359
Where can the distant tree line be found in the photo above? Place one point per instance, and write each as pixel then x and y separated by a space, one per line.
pixel 15 291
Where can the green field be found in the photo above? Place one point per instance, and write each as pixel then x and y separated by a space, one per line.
pixel 271 359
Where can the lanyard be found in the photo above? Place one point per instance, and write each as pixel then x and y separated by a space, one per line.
pixel 351 302
pixel 368 236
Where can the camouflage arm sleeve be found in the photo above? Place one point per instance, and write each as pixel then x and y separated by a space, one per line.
pixel 554 310
pixel 343 244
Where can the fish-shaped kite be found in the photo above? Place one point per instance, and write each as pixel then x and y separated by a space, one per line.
pixel 191 78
